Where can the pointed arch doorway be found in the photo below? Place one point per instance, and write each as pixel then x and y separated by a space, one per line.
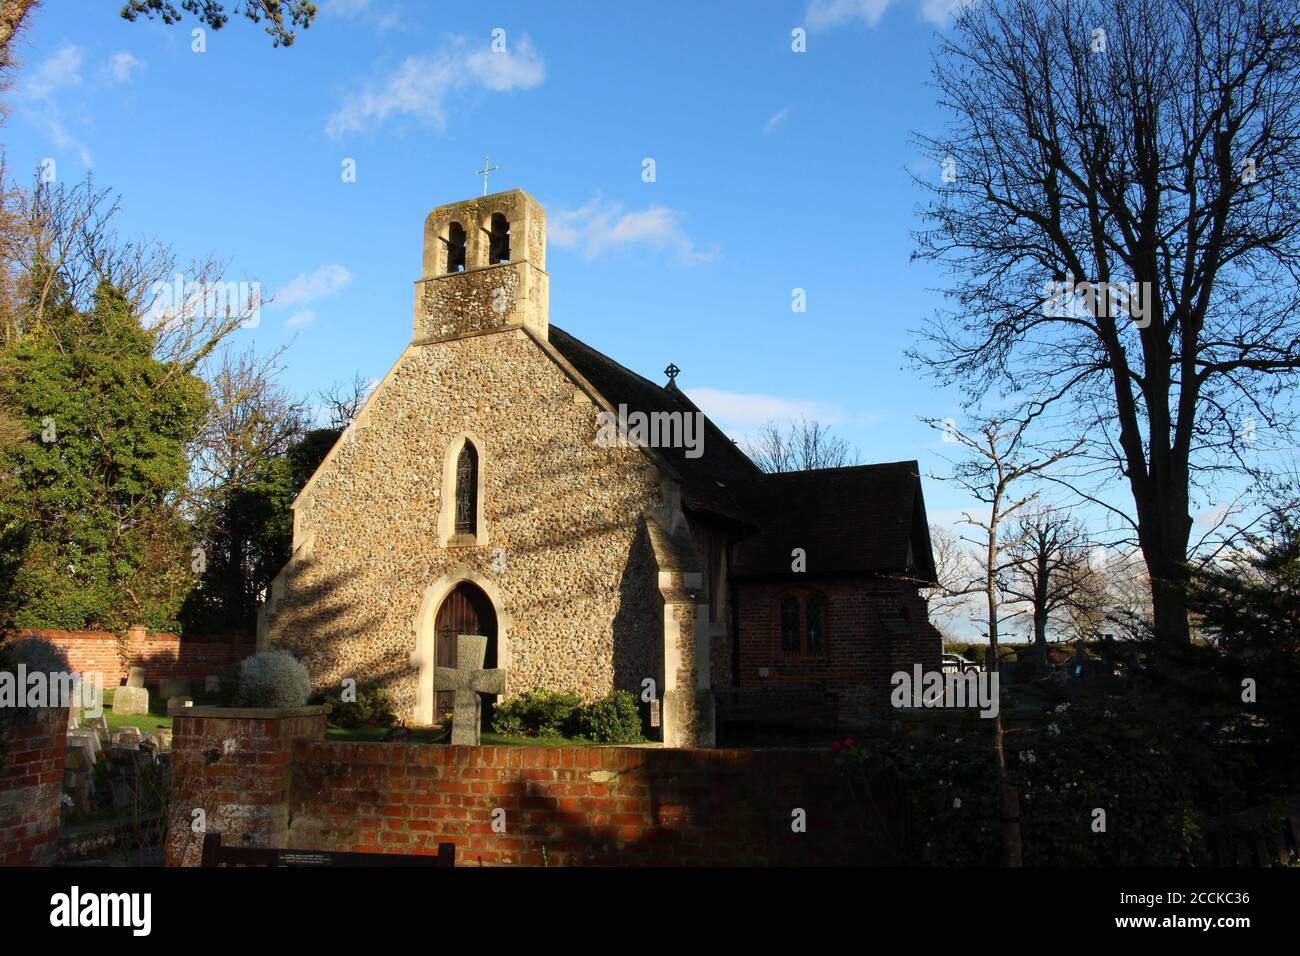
pixel 465 610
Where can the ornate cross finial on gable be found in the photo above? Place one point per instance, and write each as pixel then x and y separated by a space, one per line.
pixel 484 172
pixel 672 371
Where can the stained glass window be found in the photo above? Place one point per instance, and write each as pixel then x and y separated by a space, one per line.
pixel 467 491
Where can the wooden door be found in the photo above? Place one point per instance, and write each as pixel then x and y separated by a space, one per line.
pixel 466 610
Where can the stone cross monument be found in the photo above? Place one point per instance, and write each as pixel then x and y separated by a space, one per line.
pixel 468 679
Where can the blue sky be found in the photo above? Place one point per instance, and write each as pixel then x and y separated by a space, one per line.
pixel 775 170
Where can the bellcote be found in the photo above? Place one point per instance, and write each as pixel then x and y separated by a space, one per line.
pixel 484 268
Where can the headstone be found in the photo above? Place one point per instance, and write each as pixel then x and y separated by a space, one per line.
pixel 468 679
pixel 212 684
pixel 176 706
pixel 87 737
pixel 81 753
pixel 175 687
pixel 135 677
pixel 130 700
pixel 127 734
pixel 99 726
pixel 74 717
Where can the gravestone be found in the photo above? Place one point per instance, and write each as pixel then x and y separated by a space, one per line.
pixel 212 684
pixel 99 727
pixel 176 706
pixel 135 677
pixel 171 687
pixel 87 737
pixel 130 700
pixel 468 679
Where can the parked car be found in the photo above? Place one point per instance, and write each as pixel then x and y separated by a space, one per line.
pixel 956 664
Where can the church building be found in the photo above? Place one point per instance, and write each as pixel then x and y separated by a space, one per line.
pixel 506 479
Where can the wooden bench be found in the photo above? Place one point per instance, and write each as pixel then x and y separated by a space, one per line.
pixel 214 854
pixel 777 707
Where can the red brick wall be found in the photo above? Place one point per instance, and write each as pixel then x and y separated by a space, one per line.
pixel 161 655
pixel 605 806
pixel 236 771
pixel 860 654
pixel 31 786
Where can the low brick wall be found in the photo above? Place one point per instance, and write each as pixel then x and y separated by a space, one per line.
pixel 31 786
pixel 607 806
pixel 162 655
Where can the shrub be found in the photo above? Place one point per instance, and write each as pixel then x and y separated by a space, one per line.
pixel 612 720
pixel 38 654
pixel 537 713
pixel 228 678
pixel 272 679
pixel 372 707
pixel 1149 766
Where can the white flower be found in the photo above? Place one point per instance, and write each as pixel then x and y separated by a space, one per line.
pixel 1062 708
pixel 1054 730
pixel 1107 713
pixel 956 803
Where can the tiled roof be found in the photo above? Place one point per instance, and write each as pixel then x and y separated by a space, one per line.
pixel 867 519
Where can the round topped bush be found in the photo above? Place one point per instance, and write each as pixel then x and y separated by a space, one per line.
pixel 271 679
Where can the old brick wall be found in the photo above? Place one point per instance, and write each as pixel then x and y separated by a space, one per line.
pixel 277 782
pixel 161 655
pixel 561 516
pixel 233 767
pixel 861 652
pixel 31 786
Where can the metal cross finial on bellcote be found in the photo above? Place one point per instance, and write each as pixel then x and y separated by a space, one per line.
pixel 484 172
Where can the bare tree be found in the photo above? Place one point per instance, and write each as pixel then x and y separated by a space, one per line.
pixel 998 458
pixel 342 401
pixel 1047 570
pixel 956 572
pixel 59 245
pixel 801 446
pixel 1150 151
pixel 251 420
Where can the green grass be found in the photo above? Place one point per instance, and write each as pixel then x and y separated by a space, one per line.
pixel 155 720
pixel 424 735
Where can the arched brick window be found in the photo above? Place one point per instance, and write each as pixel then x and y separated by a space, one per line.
pixel 801 616
pixel 467 490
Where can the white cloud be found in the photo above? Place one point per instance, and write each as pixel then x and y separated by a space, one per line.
pixel 776 120
pixel 421 86
pixel 35 96
pixel 381 19
pixel 742 410
pixel 604 225
pixel 311 286
pixel 60 71
pixel 939 11
pixel 120 66
pixel 824 14
pixel 298 319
